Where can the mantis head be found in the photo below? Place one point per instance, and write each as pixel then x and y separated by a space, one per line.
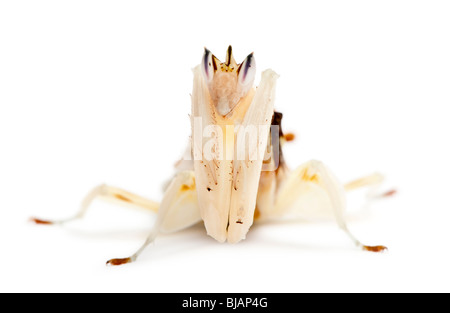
pixel 227 81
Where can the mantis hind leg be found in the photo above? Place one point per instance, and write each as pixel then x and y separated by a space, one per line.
pixel 373 182
pixel 108 193
pixel 313 190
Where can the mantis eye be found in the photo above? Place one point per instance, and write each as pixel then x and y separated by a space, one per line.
pixel 247 70
pixel 209 66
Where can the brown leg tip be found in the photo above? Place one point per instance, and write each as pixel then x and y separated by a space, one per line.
pixel 40 222
pixel 389 193
pixel 375 248
pixel 289 137
pixel 117 262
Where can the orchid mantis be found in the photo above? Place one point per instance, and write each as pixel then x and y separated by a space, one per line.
pixel 235 173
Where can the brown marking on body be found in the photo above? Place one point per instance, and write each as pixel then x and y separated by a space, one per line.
pixel 257 214
pixel 185 187
pixel 122 198
pixel 40 222
pixel 117 262
pixel 278 158
pixel 311 178
pixel 375 248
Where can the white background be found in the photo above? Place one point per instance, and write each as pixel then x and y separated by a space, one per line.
pixel 98 91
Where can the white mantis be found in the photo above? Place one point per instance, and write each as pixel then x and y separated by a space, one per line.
pixel 235 173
